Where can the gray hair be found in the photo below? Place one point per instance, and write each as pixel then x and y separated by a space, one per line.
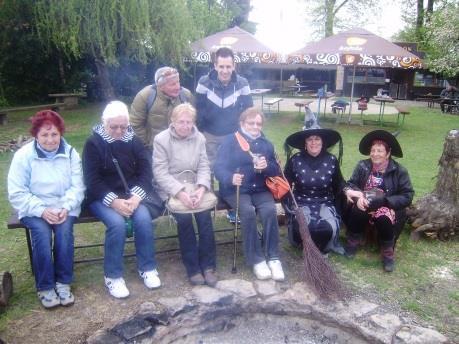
pixel 114 109
pixel 164 74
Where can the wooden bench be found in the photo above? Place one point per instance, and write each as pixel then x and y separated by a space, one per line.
pixel 4 112
pixel 402 110
pixel 69 99
pixel 271 102
pixel 87 217
pixel 303 104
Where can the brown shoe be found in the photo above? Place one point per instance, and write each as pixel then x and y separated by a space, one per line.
pixel 197 279
pixel 211 279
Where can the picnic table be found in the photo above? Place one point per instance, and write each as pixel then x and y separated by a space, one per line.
pixel 450 105
pixel 261 91
pixel 382 104
pixel 69 99
pixel 271 102
pixel 302 104
pixel 297 89
pixel 430 99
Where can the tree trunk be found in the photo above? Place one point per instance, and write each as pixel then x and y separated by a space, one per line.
pixel 329 17
pixel 6 288
pixel 420 15
pixel 430 5
pixel 61 70
pixel 437 214
pixel 103 81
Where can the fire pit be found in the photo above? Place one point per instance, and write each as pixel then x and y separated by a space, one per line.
pixel 238 311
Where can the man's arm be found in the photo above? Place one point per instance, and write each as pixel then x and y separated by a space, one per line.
pixel 201 105
pixel 138 116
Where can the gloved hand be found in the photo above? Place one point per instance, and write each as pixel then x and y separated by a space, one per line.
pixel 377 202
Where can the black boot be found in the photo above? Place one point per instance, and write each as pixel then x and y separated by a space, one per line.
pixel 352 245
pixel 387 253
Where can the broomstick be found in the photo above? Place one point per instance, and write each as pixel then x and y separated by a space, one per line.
pixel 318 272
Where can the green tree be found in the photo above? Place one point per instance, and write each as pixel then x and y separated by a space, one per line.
pixel 331 14
pixel 27 74
pixel 108 31
pixel 441 41
pixel 436 29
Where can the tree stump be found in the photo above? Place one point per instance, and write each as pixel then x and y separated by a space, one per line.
pixel 437 213
pixel 6 289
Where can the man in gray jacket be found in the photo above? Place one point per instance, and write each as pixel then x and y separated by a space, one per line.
pixel 152 106
pixel 221 97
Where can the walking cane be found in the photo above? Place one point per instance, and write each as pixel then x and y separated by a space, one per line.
pixel 234 270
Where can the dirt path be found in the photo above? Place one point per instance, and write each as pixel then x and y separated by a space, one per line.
pixel 95 309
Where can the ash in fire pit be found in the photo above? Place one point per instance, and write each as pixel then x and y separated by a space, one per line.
pixel 238 311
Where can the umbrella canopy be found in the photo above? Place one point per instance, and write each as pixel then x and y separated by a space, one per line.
pixel 355 47
pixel 246 48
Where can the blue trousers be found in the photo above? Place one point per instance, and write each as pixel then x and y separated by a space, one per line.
pixel 196 256
pixel 51 263
pixel 115 237
pixel 257 248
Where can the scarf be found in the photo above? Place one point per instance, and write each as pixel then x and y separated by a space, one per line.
pixel 250 136
pixel 379 168
pixel 47 154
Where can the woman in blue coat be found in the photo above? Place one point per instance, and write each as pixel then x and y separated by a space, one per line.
pixel 235 167
pixel 45 187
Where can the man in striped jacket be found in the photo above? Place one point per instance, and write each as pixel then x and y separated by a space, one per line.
pixel 221 96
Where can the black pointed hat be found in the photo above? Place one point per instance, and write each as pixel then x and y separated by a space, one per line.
pixel 367 141
pixel 329 136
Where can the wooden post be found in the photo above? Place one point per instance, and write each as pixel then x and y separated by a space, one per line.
pixel 6 288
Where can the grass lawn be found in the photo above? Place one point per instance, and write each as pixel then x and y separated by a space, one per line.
pixel 424 283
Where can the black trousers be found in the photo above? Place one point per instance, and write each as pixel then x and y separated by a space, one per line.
pixel 359 219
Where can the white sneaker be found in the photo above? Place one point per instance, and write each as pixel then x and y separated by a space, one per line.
pixel 49 298
pixel 65 295
pixel 151 279
pixel 262 271
pixel 116 287
pixel 276 270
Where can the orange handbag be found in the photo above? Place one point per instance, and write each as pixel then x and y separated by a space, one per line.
pixel 278 186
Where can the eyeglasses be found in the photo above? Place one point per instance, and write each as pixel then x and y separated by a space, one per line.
pixel 254 123
pixel 116 127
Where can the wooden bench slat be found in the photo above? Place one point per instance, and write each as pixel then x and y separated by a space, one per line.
pixel 273 101
pixel 32 107
pixel 402 109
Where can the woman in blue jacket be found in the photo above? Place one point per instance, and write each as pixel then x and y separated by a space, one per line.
pixel 235 167
pixel 45 187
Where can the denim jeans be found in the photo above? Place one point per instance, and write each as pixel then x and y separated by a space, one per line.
pixel 51 263
pixel 196 256
pixel 257 249
pixel 115 237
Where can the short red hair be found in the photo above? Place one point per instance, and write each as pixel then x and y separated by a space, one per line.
pixel 46 117
pixel 381 142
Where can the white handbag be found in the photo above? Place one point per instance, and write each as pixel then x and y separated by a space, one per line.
pixel 208 201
